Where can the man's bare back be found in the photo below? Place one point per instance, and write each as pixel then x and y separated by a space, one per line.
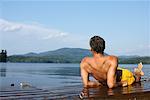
pixel 98 66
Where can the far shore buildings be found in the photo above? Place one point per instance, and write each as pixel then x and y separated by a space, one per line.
pixel 3 56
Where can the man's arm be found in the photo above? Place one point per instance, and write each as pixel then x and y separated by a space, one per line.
pixel 111 76
pixel 86 69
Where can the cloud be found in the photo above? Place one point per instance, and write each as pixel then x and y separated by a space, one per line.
pixel 34 30
pixel 6 26
pixel 56 35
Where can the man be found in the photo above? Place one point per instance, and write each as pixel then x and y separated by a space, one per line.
pixel 105 68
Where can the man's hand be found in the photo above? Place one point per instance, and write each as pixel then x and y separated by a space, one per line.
pixel 124 83
pixel 84 93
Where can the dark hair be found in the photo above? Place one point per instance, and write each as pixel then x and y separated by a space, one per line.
pixel 97 44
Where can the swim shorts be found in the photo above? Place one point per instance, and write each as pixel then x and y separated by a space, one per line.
pixel 125 75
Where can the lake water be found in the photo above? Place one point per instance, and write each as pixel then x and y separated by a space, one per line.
pixel 47 75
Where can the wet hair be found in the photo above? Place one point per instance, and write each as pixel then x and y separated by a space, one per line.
pixel 97 44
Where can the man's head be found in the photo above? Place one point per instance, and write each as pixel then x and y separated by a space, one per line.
pixel 97 44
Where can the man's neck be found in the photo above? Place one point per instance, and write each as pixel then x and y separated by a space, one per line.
pixel 98 55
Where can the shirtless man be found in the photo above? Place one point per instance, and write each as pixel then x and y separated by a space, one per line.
pixel 105 68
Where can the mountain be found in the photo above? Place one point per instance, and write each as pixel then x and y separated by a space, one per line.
pixel 69 55
pixel 30 54
pixel 63 55
pixel 63 52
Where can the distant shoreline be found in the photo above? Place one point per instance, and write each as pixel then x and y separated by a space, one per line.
pixel 63 63
pixel 69 55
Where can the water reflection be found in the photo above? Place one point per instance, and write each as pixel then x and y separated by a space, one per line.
pixel 105 92
pixel 3 69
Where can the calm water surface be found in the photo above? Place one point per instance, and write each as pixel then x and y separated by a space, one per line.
pixel 46 75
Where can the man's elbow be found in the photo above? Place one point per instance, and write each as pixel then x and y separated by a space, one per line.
pixel 85 86
pixel 111 85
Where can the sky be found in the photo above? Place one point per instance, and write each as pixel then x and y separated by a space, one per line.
pixel 45 25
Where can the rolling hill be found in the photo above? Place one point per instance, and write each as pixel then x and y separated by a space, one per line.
pixel 63 55
pixel 69 55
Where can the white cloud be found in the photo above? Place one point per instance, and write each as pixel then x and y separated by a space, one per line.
pixel 33 30
pixel 6 26
pixel 19 38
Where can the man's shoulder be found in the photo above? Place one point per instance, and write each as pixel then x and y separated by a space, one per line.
pixel 112 58
pixel 87 59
